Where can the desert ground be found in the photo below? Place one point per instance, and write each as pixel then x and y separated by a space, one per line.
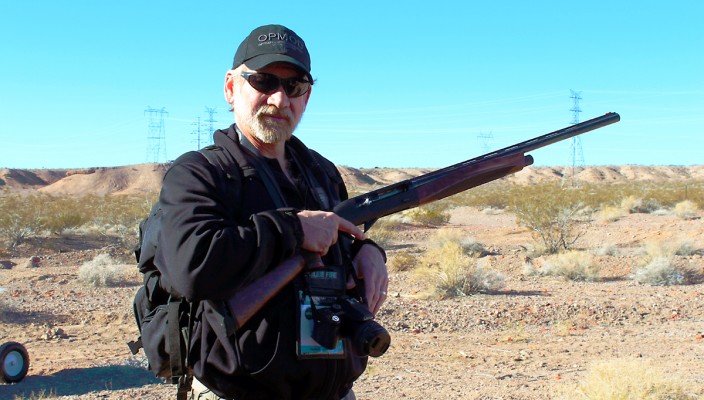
pixel 535 338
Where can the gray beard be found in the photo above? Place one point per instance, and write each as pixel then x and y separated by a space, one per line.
pixel 270 132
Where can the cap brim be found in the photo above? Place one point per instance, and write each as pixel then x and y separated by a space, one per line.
pixel 263 60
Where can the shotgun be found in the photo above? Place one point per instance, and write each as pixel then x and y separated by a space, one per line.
pixel 367 208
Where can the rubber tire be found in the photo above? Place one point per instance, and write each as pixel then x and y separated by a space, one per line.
pixel 14 362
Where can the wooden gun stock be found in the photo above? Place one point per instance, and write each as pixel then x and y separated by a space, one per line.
pixel 367 208
pixel 254 296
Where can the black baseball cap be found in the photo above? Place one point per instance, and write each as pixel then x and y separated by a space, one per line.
pixel 273 43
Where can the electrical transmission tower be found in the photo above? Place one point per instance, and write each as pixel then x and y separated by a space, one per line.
pixel 156 134
pixel 486 141
pixel 198 132
pixel 211 122
pixel 576 154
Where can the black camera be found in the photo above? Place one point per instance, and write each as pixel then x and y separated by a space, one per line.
pixel 349 318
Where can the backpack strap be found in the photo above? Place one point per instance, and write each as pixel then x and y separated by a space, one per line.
pixel 230 156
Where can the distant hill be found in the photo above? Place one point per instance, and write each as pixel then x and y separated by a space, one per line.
pixel 127 180
pixel 531 175
pixel 145 178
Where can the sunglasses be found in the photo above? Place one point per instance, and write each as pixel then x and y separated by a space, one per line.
pixel 268 83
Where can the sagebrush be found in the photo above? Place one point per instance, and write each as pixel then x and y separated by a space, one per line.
pixel 103 271
pixel 572 265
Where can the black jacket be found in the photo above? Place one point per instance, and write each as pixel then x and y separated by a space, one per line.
pixel 221 232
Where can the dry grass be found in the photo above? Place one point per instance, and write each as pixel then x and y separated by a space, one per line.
pixel 610 214
pixel 24 216
pixel 41 395
pixel 402 261
pixel 628 380
pixel 450 268
pixel 686 209
pixel 385 230
pixel 468 244
pixel 667 248
pixel 434 214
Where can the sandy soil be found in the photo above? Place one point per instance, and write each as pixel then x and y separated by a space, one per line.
pixel 534 338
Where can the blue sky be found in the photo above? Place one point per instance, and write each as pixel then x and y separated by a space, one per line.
pixel 399 84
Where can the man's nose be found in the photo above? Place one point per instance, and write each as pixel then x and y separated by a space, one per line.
pixel 279 98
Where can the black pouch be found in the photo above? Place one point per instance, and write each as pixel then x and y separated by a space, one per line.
pixel 154 338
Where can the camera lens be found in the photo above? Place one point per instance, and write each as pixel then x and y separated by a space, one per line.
pixel 371 339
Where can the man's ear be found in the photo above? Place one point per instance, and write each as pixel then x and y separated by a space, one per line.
pixel 229 87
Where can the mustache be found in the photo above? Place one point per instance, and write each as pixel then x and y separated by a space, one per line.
pixel 273 111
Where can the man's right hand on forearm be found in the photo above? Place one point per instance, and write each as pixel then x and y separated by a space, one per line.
pixel 320 230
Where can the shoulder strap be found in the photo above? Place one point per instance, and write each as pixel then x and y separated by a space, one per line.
pixel 322 176
pixel 265 173
pixel 230 154
pixel 226 161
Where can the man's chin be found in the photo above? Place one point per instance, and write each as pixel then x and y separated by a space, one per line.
pixel 273 138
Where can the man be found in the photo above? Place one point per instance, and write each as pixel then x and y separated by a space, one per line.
pixel 221 234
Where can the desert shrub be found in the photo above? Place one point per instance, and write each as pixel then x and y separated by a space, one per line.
pixel 558 229
pixel 648 196
pixel 534 250
pixel 471 247
pixel 686 209
pixel 552 214
pixel 443 235
pixel 610 214
pixel 450 272
pixel 572 265
pixel 64 213
pixel 493 195
pixel 434 214
pixel 636 196
pixel 102 271
pixel 607 249
pixel 667 249
pixel 120 210
pixel 661 271
pixel 402 261
pixel 643 196
pixel 5 310
pixel 385 230
pixel 628 379
pixel 468 244
pixel 20 217
pixel 491 211
pixel 631 204
pixel 118 215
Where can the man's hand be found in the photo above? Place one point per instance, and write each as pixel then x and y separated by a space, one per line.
pixel 369 265
pixel 320 229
